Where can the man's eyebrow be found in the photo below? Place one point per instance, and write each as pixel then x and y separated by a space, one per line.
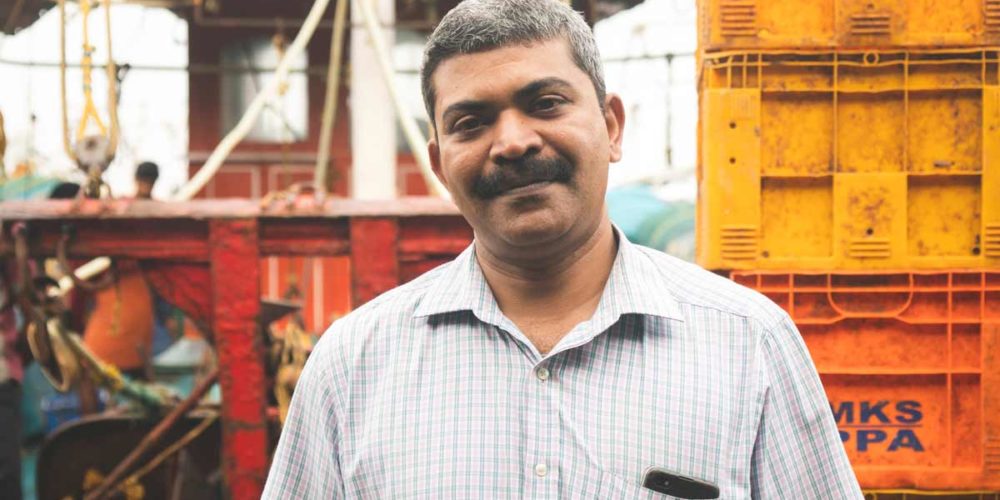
pixel 537 86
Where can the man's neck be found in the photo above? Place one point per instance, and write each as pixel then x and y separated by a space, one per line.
pixel 546 298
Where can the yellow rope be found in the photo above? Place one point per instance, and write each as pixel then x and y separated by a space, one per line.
pixel 93 478
pixel 295 345
pixel 130 486
pixel 62 79
pixel 90 113
pixel 86 65
pixel 112 75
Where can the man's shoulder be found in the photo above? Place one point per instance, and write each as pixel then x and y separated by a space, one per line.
pixel 391 313
pixel 399 302
pixel 697 289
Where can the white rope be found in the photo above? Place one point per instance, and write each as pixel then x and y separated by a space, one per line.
pixel 330 105
pixel 218 156
pixel 84 272
pixel 235 136
pixel 414 138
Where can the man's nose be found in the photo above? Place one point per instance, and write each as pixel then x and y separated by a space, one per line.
pixel 514 137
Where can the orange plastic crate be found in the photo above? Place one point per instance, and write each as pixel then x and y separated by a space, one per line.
pixel 911 365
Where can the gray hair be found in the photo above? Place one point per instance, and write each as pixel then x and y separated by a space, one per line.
pixel 483 25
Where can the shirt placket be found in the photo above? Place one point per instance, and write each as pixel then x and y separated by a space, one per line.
pixel 542 460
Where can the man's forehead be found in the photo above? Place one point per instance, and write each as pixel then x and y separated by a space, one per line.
pixel 462 76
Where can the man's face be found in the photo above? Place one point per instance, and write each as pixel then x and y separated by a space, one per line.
pixel 522 143
pixel 144 189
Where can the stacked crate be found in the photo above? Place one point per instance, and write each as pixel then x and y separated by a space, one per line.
pixel 849 169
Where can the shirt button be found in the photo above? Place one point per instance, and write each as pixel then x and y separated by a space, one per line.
pixel 541 470
pixel 542 374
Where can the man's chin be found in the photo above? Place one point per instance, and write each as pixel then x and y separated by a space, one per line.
pixel 532 229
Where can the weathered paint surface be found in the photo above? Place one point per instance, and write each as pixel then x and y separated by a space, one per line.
pixel 375 265
pixel 204 256
pixel 187 286
pixel 236 305
pixel 909 364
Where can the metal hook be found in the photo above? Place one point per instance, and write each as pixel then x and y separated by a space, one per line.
pixel 106 280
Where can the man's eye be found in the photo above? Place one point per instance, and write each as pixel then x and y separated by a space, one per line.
pixel 547 103
pixel 466 124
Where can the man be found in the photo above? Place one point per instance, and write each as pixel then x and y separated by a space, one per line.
pixel 145 178
pixel 121 329
pixel 168 321
pixel 11 374
pixel 553 358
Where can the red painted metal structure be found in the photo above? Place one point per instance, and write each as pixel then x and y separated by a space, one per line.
pixel 204 256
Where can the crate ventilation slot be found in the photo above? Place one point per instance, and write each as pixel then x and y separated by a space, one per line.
pixel 869 248
pixel 992 455
pixel 991 240
pixel 991 9
pixel 739 242
pixel 739 17
pixel 870 24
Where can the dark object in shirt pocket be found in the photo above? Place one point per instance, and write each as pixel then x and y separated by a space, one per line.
pixel 676 485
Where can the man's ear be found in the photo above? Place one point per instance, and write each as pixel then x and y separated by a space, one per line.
pixel 434 153
pixel 614 119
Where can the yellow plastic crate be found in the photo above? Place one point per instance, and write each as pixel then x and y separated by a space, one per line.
pixel 849 160
pixel 784 24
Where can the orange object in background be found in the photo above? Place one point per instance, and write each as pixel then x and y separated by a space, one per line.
pixel 848 169
pixel 120 328
pixel 320 284
pixel 911 365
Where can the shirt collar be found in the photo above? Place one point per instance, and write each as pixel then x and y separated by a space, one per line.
pixel 461 286
pixel 635 286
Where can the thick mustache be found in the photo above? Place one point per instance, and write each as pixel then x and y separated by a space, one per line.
pixel 522 172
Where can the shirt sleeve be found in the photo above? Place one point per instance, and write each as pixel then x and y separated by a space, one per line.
pixel 798 452
pixel 306 462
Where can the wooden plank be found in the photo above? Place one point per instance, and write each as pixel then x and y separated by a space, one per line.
pixel 311 236
pixel 220 209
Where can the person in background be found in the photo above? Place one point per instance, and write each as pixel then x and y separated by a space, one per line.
pixel 131 323
pixel 120 329
pixel 146 175
pixel 65 191
pixel 11 372
pixel 168 321
pixel 13 362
